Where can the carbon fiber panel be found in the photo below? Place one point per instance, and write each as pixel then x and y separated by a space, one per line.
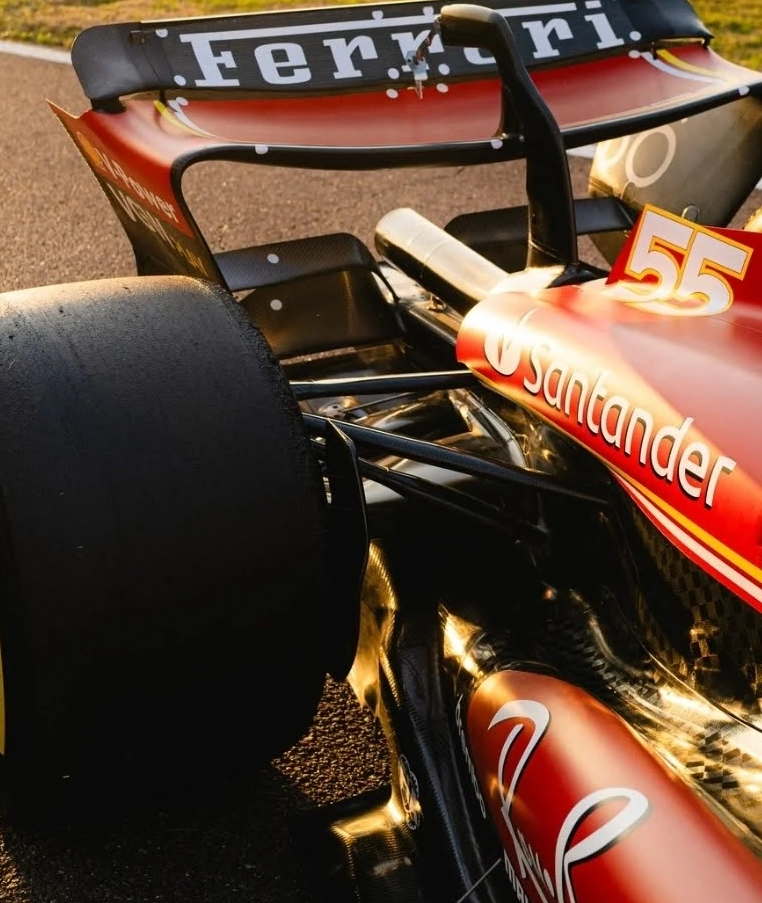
pixel 662 691
pixel 711 638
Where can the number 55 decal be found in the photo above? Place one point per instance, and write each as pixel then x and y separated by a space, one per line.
pixel 674 267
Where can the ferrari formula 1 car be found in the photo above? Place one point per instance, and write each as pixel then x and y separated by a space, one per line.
pixel 514 497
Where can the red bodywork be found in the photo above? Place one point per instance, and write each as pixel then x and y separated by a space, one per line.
pixel 586 811
pixel 670 404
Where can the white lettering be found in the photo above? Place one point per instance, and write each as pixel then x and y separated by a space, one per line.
pixel 528 863
pixel 621 406
pixel 639 416
pixel 534 362
pixel 598 394
pixel 561 372
pixel 342 51
pixel 599 840
pixel 348 42
pixel 722 465
pixel 577 379
pixel 292 57
pixel 513 878
pixel 695 469
pixel 674 437
pixel 602 26
pixel 619 424
pixel 540 33
pixel 209 62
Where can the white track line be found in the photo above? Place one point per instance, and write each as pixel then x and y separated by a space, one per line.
pixel 50 54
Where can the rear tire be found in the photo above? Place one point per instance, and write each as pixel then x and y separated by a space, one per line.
pixel 163 536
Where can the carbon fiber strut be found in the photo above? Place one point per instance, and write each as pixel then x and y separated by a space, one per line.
pixel 552 227
pixel 402 382
pixel 348 528
pixel 451 459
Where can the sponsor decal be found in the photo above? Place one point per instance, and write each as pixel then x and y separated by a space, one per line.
pixel 374 44
pixel 140 215
pixel 644 157
pixel 408 784
pixel 116 173
pixel 528 722
pixel 673 267
pixel 584 399
pixel 589 812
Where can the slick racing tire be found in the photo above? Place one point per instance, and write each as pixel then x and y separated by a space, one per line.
pixel 163 540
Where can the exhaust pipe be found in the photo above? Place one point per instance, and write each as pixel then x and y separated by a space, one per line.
pixel 446 267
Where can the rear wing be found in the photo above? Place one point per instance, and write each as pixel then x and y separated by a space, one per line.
pixel 334 88
pixel 603 66
pixel 353 48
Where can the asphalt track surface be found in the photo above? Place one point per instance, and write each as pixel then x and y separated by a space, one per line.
pixel 216 842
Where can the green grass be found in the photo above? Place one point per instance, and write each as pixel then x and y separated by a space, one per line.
pixel 737 24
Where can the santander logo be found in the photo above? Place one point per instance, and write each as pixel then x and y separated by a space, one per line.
pixel 503 350
pixel 594 405
pixel 552 881
pixel 612 379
